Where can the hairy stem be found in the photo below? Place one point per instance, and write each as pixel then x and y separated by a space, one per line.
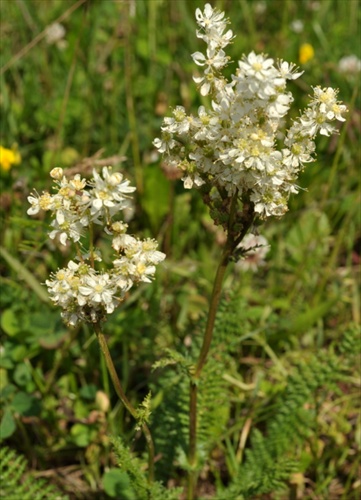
pixel 232 241
pixel 121 394
pixel 207 339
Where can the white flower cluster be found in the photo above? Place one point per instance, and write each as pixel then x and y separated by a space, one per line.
pixel 233 146
pixel 84 293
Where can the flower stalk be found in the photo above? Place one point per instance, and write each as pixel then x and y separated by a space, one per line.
pixel 121 395
pixel 207 339
pixel 234 237
pixel 86 291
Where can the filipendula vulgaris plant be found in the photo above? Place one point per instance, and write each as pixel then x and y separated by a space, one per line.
pixel 87 290
pixel 236 153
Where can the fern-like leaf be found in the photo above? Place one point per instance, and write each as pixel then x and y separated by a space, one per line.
pixel 16 484
pixel 138 480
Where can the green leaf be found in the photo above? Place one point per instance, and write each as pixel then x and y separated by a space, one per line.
pixel 7 425
pixel 81 435
pixel 116 484
pixel 3 378
pixel 8 391
pixel 22 374
pixel 10 323
pixel 25 404
pixel 88 392
pixel 19 352
pixel 6 355
pixel 5 362
pixel 44 328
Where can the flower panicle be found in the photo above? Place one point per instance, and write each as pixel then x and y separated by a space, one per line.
pixel 83 292
pixel 232 147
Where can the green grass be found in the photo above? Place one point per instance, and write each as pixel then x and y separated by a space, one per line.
pixel 122 66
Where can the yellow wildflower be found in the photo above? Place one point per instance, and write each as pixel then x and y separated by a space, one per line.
pixel 9 157
pixel 306 53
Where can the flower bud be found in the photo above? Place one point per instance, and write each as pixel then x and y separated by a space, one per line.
pixel 102 401
pixel 57 173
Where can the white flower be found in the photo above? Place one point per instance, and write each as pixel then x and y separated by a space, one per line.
pixel 109 193
pixel 288 70
pixel 349 64
pixel 150 253
pixel 214 58
pixel 209 17
pixel 97 289
pixel 166 144
pixel 35 205
pixel 190 180
pixel 205 83
pixel 44 202
pixel 54 33
pixel 297 26
pixel 63 287
pixel 256 248
pixel 258 66
pixel 125 243
pixel 67 225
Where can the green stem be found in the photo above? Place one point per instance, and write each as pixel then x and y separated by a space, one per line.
pixel 78 253
pixel 216 293
pixel 91 244
pixel 207 339
pixel 119 390
pixel 232 241
pixel 59 358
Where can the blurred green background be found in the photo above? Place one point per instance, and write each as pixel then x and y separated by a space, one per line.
pixel 87 83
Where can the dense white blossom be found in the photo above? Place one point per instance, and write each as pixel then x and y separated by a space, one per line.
pixel 236 144
pixel 84 292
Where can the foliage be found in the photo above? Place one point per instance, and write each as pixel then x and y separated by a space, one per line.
pixel 15 485
pixel 142 488
pixel 270 460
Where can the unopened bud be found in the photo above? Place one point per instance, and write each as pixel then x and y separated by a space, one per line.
pixel 57 173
